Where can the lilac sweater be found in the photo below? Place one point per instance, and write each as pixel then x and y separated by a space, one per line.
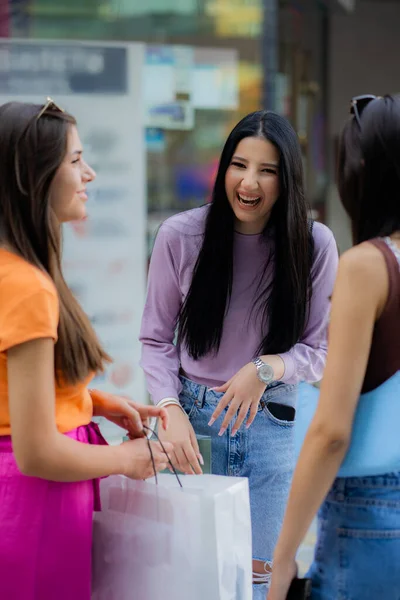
pixel 175 252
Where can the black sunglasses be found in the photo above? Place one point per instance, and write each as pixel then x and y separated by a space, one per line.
pixel 358 104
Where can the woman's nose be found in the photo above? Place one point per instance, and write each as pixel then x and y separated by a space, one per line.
pixel 88 173
pixel 250 182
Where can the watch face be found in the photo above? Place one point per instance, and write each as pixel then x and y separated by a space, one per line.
pixel 266 373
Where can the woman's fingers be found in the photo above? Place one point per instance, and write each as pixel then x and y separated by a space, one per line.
pixel 183 463
pixel 244 409
pixel 192 459
pixel 220 388
pixel 154 411
pixel 145 412
pixel 252 414
pixel 160 457
pixel 164 417
pixel 135 425
pixel 230 414
pixel 180 461
pixel 184 458
pixel 195 445
pixel 222 404
pixel 174 459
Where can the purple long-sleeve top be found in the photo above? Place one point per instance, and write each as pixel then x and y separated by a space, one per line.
pixel 171 268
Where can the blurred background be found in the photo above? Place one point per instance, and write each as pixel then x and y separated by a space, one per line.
pixel 156 86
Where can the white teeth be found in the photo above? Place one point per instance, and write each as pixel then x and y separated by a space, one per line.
pixel 247 200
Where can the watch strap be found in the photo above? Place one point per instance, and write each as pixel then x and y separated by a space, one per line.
pixel 258 362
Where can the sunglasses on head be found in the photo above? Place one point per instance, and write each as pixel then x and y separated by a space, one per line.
pixel 49 104
pixel 358 104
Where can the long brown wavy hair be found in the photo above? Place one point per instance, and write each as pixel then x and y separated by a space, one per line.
pixel 31 151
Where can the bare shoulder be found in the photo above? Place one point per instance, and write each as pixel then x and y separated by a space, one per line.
pixel 362 270
pixel 364 260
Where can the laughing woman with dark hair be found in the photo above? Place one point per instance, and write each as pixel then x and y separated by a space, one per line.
pixel 245 282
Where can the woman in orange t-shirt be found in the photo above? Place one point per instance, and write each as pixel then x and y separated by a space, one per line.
pixel 51 455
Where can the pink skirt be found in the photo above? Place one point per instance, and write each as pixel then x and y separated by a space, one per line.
pixel 46 530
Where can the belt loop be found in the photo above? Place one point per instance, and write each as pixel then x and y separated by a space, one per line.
pixel 200 396
pixel 263 400
pixel 340 485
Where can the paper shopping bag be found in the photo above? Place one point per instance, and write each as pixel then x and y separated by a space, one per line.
pixel 163 542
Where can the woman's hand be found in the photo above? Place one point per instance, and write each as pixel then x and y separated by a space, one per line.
pixel 283 574
pixel 137 458
pixel 186 455
pixel 243 393
pixel 125 413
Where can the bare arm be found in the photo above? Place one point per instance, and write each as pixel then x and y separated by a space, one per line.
pixel 40 450
pixel 360 294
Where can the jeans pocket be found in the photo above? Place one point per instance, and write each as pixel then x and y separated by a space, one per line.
pixel 369 563
pixel 188 404
pixel 280 414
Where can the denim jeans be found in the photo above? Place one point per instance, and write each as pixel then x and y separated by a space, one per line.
pixel 263 453
pixel 357 554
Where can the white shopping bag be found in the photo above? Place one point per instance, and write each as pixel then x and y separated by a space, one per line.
pixel 164 542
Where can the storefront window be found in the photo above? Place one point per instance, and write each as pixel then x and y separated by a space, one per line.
pixel 203 72
pixel 214 47
pixel 154 117
pixel 301 88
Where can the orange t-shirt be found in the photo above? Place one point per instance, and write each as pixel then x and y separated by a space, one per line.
pixel 29 310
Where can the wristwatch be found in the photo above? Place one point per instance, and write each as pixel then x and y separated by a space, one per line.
pixel 265 373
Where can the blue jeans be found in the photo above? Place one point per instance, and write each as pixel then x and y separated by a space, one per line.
pixel 263 453
pixel 357 555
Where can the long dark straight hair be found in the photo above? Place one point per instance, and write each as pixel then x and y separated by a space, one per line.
pixel 369 170
pixel 284 303
pixel 31 151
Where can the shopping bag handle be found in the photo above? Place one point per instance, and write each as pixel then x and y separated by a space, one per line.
pixel 152 457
